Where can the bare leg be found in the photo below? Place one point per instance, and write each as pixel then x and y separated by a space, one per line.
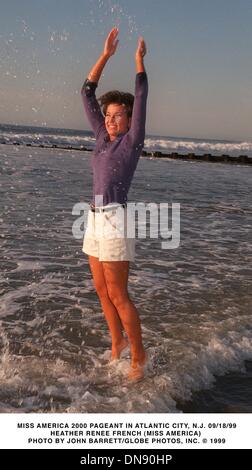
pixel 116 275
pixel 110 312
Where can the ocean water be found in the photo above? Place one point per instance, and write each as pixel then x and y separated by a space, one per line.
pixel 231 393
pixel 36 136
pixel 194 301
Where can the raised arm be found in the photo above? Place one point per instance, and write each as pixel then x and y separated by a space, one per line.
pixel 140 53
pixel 137 128
pixel 91 105
pixel 109 50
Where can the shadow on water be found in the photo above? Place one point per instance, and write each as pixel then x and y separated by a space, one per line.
pixel 230 393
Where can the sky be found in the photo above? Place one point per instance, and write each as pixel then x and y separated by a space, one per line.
pixel 199 62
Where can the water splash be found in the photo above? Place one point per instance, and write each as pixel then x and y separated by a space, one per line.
pixel 118 16
pixel 5 354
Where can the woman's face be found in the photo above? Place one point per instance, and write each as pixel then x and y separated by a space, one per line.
pixel 116 120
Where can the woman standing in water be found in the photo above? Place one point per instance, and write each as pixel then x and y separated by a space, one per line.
pixel 119 128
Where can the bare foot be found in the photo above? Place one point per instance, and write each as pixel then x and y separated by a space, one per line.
pixel 118 349
pixel 136 371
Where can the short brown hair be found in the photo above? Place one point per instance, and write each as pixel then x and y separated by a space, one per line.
pixel 117 97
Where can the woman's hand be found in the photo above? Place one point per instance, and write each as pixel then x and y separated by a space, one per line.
pixel 141 49
pixel 109 49
pixel 110 46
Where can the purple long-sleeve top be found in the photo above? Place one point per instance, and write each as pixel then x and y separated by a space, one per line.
pixel 114 162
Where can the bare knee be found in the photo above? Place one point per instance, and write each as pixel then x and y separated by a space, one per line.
pixel 119 299
pixel 102 291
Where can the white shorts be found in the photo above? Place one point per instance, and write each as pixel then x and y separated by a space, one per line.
pixel 106 235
